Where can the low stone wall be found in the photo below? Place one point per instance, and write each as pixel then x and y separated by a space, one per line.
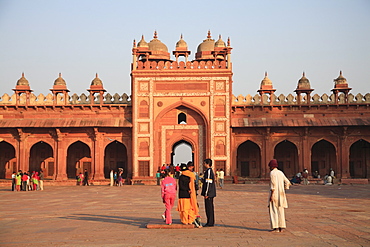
pixel 354 181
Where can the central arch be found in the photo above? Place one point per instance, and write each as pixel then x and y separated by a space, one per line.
pixel 182 152
pixel 179 124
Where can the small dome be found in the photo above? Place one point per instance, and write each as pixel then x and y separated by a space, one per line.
pixel 96 81
pixel 60 81
pixel 181 43
pixel 22 81
pixel 142 42
pixel 266 81
pixel 156 45
pixel 303 83
pixel 207 44
pixel 220 42
pixel 340 79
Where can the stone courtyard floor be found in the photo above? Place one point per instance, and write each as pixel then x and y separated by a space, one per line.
pixel 318 215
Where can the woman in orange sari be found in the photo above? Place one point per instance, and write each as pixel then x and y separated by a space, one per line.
pixel 187 203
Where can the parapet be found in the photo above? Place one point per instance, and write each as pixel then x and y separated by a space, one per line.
pixel 290 99
pixel 172 65
pixel 75 99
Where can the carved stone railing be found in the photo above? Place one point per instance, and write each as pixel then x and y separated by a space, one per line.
pixel 72 100
pixel 161 65
pixel 292 99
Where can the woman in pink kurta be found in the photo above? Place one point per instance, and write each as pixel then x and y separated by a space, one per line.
pixel 168 191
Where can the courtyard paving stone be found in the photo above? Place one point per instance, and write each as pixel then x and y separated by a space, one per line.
pixel 318 215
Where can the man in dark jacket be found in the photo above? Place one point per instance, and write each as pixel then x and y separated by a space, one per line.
pixel 209 192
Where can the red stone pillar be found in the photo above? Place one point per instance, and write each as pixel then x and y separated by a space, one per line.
pixel 98 157
pixel 343 171
pixel 22 161
pixel 60 160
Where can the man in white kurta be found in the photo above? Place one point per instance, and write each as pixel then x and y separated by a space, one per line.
pixel 277 199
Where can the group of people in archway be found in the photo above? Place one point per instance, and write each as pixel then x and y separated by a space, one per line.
pixel 116 178
pixel 302 177
pixel 187 188
pixel 83 178
pixel 27 181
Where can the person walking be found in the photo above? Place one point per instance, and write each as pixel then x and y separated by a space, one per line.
pixel 86 178
pixel 221 177
pixel 168 192
pixel 18 180
pixel 209 192
pixel 111 176
pixel 14 181
pixel 41 180
pixel 277 198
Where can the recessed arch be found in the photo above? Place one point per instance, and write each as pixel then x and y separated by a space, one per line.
pixel 286 153
pixel 169 132
pixel 359 159
pixel 323 157
pixel 8 162
pixel 248 160
pixel 78 159
pixel 41 158
pixel 182 152
pixel 115 156
pixel 185 105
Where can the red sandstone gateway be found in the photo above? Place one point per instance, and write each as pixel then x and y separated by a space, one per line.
pixel 184 101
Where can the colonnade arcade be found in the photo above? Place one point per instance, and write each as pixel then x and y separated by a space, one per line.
pixel 79 156
pixel 323 157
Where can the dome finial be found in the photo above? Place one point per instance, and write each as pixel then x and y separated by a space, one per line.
pixel 303 74
pixel 265 73
pixel 228 41
pixel 209 34
pixel 134 43
pixel 181 36
pixel 155 34
pixel 60 75
pixel 96 75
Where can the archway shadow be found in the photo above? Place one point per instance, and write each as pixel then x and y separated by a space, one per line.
pixel 140 222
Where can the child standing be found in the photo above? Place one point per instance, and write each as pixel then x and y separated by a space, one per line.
pixel 168 189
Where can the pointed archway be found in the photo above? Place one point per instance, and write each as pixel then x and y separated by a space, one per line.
pixel 249 160
pixel 78 159
pixel 323 157
pixel 359 159
pixel 180 124
pixel 41 158
pixel 115 156
pixel 286 154
pixel 182 152
pixel 8 163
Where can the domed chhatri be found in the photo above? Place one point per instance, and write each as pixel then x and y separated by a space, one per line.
pixel 22 81
pixel 220 42
pixel 208 45
pixel 155 50
pixel 60 81
pixel 181 50
pixel 303 83
pixel 266 83
pixel 181 44
pixel 142 43
pixel 303 86
pixel 156 45
pixel 96 81
pixel 341 81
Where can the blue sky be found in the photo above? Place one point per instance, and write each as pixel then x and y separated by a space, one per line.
pixel 82 37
